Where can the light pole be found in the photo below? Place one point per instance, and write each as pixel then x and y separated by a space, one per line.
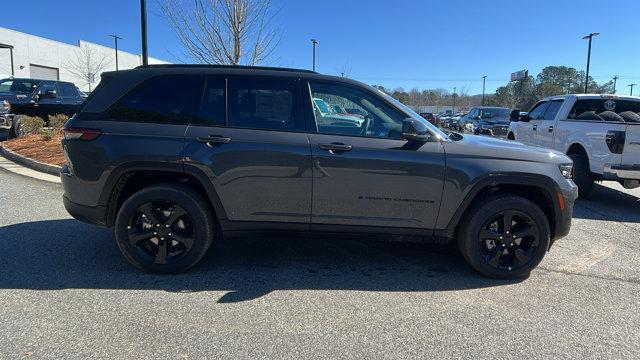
pixel 143 30
pixel 586 80
pixel 631 86
pixel 615 80
pixel 454 101
pixel 484 78
pixel 314 42
pixel 115 39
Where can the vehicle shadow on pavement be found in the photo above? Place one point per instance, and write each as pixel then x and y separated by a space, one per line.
pixel 68 254
pixel 608 204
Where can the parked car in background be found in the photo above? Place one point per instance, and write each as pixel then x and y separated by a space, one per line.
pixel 600 133
pixel 32 97
pixel 331 116
pixel 224 150
pixel 430 117
pixel 487 120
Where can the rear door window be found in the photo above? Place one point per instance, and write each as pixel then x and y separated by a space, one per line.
pixel 213 109
pixel 67 90
pixel 167 99
pixel 263 103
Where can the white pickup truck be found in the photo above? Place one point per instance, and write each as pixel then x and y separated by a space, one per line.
pixel 600 133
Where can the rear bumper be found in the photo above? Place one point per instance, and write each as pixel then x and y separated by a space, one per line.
pixel 621 172
pixel 93 215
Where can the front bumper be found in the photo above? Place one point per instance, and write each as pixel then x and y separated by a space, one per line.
pixel 621 172
pixel 564 211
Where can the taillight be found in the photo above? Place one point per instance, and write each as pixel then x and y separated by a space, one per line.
pixel 81 134
pixel 615 141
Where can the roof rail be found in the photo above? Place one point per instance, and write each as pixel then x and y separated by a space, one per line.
pixel 224 67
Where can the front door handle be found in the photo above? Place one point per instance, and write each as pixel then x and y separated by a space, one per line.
pixel 551 128
pixel 214 139
pixel 335 147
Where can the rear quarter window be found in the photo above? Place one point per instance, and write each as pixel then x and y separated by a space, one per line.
pixel 165 99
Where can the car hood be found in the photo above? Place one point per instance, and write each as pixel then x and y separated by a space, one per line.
pixel 475 146
pixel 493 122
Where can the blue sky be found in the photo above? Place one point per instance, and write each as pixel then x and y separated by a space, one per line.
pixel 423 44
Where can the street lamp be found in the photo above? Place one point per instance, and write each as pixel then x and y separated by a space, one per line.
pixel 615 80
pixel 143 28
pixel 454 101
pixel 586 80
pixel 314 42
pixel 631 86
pixel 484 78
pixel 116 38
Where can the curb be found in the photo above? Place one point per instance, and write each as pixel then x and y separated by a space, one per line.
pixel 30 163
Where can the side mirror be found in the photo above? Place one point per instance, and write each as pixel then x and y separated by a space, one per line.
pixel 414 130
pixel 525 118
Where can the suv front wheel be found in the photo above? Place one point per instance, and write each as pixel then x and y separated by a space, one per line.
pixel 164 228
pixel 504 237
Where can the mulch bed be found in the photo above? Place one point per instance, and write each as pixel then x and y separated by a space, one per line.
pixel 38 148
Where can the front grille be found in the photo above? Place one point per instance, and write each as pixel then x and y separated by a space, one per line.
pixel 500 130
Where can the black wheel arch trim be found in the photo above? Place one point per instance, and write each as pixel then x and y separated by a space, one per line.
pixel 120 172
pixel 539 181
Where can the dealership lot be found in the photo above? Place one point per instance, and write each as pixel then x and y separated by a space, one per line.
pixel 65 291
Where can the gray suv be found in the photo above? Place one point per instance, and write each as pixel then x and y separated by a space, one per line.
pixel 176 156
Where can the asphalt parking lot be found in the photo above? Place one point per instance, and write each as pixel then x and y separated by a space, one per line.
pixel 66 292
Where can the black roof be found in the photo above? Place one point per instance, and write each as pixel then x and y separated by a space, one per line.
pixel 245 67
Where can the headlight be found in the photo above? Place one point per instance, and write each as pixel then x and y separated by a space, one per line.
pixel 565 170
pixel 5 106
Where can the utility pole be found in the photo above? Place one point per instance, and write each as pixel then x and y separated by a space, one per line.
pixel 314 42
pixel 631 86
pixel 115 39
pixel 586 80
pixel 484 78
pixel 615 80
pixel 454 101
pixel 143 28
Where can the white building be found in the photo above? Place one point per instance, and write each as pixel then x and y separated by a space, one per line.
pixel 32 56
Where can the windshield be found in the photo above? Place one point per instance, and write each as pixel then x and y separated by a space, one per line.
pixel 18 86
pixel 414 115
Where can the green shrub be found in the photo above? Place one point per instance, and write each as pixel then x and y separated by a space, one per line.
pixel 30 125
pixel 48 133
pixel 57 121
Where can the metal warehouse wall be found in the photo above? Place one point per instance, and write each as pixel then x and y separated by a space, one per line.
pixel 31 49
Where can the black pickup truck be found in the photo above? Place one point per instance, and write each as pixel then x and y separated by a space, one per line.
pixel 33 97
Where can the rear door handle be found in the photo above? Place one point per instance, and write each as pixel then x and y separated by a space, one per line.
pixel 335 147
pixel 535 127
pixel 214 139
pixel 551 128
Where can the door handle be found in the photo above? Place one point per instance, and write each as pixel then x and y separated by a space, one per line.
pixel 551 128
pixel 335 147
pixel 214 139
pixel 535 127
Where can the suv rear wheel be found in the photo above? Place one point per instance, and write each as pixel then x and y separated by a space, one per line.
pixel 164 228
pixel 504 237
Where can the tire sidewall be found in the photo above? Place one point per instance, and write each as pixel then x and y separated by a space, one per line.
pixel 470 245
pixel 197 210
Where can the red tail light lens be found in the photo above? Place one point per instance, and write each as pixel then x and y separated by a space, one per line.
pixel 81 134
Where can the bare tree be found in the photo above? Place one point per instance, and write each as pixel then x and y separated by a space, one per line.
pixel 227 32
pixel 87 64
pixel 345 70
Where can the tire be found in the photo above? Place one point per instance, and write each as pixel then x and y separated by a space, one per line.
pixel 514 260
pixel 582 175
pixel 15 130
pixel 510 136
pixel 188 236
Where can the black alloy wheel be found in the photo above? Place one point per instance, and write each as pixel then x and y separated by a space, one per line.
pixel 508 240
pixel 161 233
